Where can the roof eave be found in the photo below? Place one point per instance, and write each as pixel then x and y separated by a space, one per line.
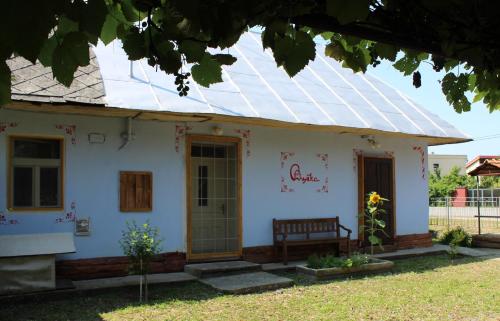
pixel 93 109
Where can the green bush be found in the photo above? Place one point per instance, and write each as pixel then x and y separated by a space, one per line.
pixel 329 261
pixel 457 236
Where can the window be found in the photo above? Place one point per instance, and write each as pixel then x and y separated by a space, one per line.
pixel 136 191
pixel 202 185
pixel 435 165
pixel 35 180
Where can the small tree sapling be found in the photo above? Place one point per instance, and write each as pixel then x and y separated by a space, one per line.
pixel 140 243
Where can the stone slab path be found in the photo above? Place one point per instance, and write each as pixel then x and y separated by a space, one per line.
pixel 247 282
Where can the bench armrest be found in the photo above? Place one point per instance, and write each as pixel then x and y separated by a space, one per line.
pixel 349 231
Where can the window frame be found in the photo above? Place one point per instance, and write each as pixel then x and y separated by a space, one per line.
pixel 10 172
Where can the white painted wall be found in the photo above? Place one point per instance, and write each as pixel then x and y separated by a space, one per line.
pixel 447 162
pixel 91 180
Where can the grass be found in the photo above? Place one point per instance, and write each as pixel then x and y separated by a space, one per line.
pixel 425 288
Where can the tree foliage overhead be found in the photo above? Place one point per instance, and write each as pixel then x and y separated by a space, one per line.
pixel 458 37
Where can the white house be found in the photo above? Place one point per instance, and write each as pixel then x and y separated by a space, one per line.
pixel 210 170
pixel 445 163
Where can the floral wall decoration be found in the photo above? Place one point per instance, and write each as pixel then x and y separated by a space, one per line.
pixel 69 130
pixel 5 221
pixel 5 125
pixel 421 151
pixel 245 134
pixel 68 217
pixel 180 131
pixel 306 173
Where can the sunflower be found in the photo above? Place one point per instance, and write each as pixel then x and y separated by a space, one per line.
pixel 374 198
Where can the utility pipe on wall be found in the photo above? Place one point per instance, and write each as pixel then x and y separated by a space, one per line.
pixel 127 136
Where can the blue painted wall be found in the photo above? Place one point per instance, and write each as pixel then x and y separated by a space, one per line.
pixel 92 179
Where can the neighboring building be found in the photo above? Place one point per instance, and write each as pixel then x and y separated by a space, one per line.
pixel 210 170
pixel 446 162
pixel 479 160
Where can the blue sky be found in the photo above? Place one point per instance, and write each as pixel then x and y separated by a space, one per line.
pixel 477 123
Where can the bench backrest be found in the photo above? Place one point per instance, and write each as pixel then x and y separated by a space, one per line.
pixel 306 226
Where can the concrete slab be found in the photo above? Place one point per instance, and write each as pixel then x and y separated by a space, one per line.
pixel 401 254
pixel 279 267
pixel 247 282
pixel 132 280
pixel 202 270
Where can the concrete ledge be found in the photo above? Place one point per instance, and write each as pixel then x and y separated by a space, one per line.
pixel 132 280
pixel 374 266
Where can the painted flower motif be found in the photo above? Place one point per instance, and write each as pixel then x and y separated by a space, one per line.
pixel 374 198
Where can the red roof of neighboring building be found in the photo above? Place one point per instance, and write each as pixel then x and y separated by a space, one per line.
pixel 481 157
pixel 490 167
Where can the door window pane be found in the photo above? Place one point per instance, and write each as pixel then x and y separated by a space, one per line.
pixel 23 187
pixel 202 185
pixel 37 148
pixel 49 181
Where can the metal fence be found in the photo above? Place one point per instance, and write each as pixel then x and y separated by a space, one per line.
pixel 450 212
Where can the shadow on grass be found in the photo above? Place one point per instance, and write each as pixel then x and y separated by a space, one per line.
pixel 91 304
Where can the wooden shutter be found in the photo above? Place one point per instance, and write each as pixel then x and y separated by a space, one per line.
pixel 136 191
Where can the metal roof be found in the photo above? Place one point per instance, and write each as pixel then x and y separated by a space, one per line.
pixel 322 94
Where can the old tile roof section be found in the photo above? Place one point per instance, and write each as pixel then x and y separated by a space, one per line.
pixel 35 83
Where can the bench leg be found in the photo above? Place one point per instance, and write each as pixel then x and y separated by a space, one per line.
pixel 348 247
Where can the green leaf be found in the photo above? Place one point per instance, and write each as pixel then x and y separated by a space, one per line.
pixel 169 59
pixel 193 50
pixel 5 83
pixel 374 240
pixel 335 51
pixel 208 71
pixel 348 11
pixel 386 51
pixel 76 44
pixel 73 52
pixel 63 66
pixel 130 12
pixel 269 34
pixel 225 59
pixel 454 88
pixel 380 223
pixel 93 16
pixel 108 32
pixel 407 65
pixel 134 44
pixel 294 54
pixel 47 51
pixel 66 25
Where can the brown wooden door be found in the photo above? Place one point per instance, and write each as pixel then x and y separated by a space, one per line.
pixel 378 177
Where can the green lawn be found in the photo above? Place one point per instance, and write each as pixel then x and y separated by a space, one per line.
pixel 427 288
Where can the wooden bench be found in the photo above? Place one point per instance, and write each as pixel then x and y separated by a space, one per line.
pixel 298 232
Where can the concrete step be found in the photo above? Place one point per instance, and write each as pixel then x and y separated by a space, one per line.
pixel 203 270
pixel 247 282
